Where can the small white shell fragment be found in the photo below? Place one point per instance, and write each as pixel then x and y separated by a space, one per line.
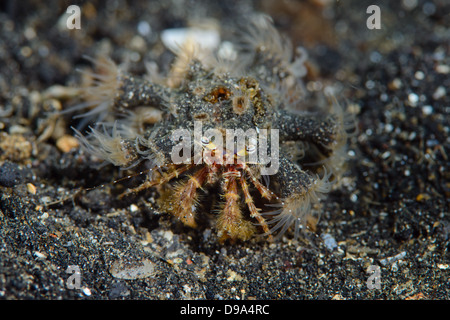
pixel 40 255
pixel 174 38
pixel 329 241
pixel 132 270
pixel 86 291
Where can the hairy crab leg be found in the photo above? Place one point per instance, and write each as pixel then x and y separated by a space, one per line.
pixel 230 223
pixel 263 190
pixel 173 173
pixel 183 200
pixel 254 212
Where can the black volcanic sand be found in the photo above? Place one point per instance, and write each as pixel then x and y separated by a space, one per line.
pixel 391 211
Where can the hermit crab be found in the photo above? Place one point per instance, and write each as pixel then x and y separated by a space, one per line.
pixel 234 126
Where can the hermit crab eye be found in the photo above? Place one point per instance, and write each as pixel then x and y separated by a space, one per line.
pixel 208 143
pixel 205 141
pixel 251 147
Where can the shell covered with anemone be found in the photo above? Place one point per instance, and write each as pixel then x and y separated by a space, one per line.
pixel 237 127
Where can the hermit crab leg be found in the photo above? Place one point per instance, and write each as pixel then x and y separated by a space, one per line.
pixel 254 212
pixel 165 177
pixel 231 223
pixel 263 190
pixel 182 202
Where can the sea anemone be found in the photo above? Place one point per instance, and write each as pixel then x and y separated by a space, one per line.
pixel 295 209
